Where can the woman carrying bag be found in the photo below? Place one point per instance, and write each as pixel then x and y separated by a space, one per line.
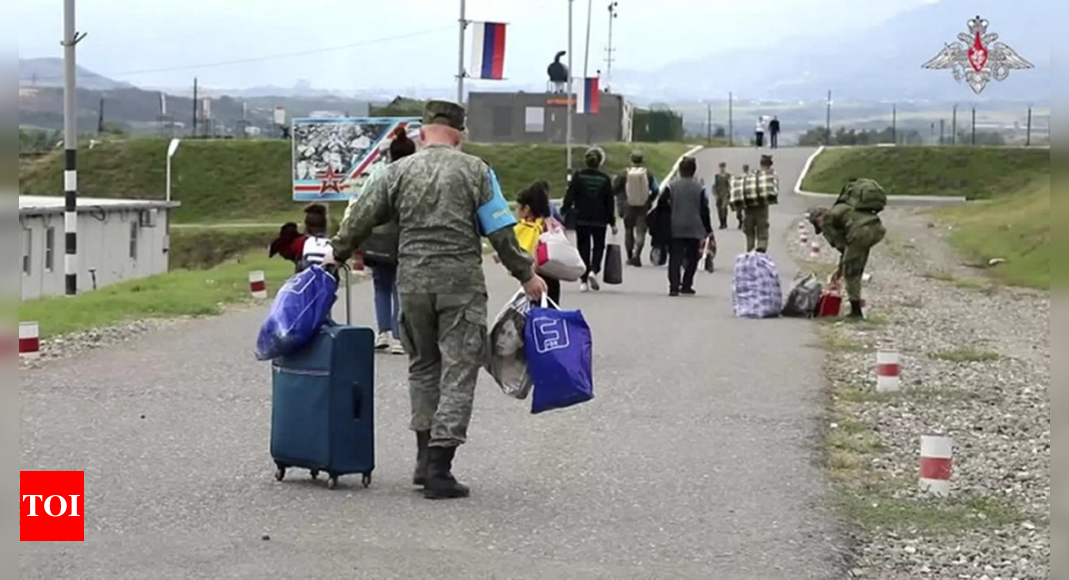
pixel 590 199
pixel 536 217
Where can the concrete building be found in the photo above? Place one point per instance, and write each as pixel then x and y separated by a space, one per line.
pixel 118 239
pixel 543 118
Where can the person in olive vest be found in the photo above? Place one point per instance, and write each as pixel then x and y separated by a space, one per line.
pixel 853 227
pixel 722 190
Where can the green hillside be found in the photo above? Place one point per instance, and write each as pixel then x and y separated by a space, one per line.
pixel 224 181
pixel 974 173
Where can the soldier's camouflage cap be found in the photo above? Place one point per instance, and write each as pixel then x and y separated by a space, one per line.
pixel 444 113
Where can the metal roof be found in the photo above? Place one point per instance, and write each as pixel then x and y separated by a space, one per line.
pixel 41 205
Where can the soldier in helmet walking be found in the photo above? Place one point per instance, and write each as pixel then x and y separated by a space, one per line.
pixel 443 201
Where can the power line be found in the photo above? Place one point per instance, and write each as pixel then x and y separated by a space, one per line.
pixel 259 58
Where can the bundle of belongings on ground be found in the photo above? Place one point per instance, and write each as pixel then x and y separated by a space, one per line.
pixel 805 296
pixel 299 311
pixel 542 348
pixel 757 292
pixel 754 189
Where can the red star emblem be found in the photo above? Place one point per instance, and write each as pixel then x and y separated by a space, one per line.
pixel 330 181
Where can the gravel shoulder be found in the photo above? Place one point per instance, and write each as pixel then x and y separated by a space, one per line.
pixel 976 367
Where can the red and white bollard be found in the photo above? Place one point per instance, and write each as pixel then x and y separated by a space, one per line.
pixel 29 340
pixel 258 285
pixel 937 464
pixel 803 238
pixel 888 370
pixel 814 250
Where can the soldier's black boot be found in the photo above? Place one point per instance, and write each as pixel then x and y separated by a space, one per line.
pixel 855 310
pixel 423 443
pixel 440 481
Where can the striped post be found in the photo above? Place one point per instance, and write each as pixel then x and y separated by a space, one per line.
pixel 887 371
pixel 258 285
pixel 70 145
pixel 29 340
pixel 937 463
pixel 803 238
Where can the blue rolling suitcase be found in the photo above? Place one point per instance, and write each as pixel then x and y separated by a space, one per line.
pixel 322 399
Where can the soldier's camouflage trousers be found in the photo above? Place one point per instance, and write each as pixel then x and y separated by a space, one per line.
pixel 445 337
pixel 855 258
pixel 755 225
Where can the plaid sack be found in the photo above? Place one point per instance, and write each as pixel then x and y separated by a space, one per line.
pixel 755 189
pixel 757 291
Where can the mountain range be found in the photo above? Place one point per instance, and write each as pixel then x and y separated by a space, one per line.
pixel 873 62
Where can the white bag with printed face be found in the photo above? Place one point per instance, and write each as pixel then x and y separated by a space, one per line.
pixel 508 363
pixel 557 258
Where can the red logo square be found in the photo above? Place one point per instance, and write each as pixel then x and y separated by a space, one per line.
pixel 52 506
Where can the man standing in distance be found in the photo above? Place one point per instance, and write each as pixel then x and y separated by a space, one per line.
pixel 442 200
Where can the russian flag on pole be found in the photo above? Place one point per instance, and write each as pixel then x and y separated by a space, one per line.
pixel 488 51
pixel 587 96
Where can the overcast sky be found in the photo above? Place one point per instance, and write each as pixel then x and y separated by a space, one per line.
pixel 127 36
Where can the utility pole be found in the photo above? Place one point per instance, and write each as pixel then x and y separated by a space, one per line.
pixel 894 124
pixel 709 123
pixel 731 119
pixel 71 38
pixel 1028 139
pixel 100 118
pixel 974 125
pixel 609 52
pixel 460 57
pixel 586 63
pixel 942 131
pixel 827 126
pixel 571 89
pixel 954 126
pixel 194 107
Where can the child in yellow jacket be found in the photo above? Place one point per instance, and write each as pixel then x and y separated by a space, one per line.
pixel 536 217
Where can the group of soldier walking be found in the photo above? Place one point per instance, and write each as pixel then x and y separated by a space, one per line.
pixel 442 202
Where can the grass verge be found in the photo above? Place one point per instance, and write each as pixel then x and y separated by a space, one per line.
pixel 1014 228
pixel 966 355
pixel 177 293
pixel 971 172
pixel 249 180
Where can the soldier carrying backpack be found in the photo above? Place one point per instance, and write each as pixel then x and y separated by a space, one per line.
pixel 853 227
pixel 636 189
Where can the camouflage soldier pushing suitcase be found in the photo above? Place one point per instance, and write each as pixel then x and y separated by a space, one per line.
pixel 442 200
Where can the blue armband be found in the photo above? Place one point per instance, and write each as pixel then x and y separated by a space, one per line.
pixel 496 213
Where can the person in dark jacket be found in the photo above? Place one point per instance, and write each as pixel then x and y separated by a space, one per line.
pixel 773 130
pixel 590 198
pixel 688 201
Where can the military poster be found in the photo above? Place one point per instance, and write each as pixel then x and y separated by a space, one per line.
pixel 331 156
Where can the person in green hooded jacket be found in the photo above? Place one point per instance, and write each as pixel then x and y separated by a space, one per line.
pixel 853 227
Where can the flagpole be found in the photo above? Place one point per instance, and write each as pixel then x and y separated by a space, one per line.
pixel 586 64
pixel 460 59
pixel 571 89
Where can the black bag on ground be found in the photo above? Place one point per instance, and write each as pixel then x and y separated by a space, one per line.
pixel 614 264
pixel 804 297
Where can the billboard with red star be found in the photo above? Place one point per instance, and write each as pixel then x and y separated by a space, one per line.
pixel 331 156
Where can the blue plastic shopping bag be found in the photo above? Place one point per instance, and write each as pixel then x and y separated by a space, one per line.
pixel 300 310
pixel 559 350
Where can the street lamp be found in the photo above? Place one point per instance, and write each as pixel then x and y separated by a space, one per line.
pixel 171 150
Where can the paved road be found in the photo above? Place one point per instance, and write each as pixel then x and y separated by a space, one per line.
pixel 698 459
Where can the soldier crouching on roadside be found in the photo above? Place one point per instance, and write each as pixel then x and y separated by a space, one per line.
pixel 853 227
pixel 442 200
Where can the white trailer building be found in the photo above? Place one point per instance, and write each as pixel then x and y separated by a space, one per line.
pixel 118 239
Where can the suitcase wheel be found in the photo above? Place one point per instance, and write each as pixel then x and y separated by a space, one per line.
pixel 315 474
pixel 366 480
pixel 332 483
pixel 280 473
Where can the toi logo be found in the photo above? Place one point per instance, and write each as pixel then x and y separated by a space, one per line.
pixel 52 506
